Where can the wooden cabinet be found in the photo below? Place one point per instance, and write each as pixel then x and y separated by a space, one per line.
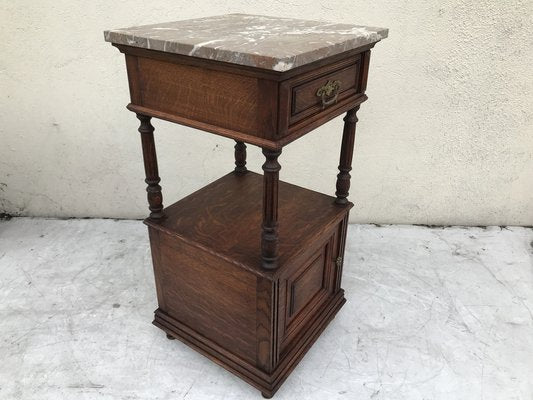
pixel 248 269
pixel 209 276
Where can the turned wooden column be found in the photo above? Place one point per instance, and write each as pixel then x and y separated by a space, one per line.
pixel 345 163
pixel 240 157
pixel 155 198
pixel 269 234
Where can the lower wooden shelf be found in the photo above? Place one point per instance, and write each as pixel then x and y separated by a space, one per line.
pixel 213 293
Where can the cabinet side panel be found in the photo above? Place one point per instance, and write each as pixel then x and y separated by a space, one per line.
pixel 209 295
pixel 215 97
pixel 156 261
pixel 364 74
pixel 267 324
pixel 267 116
pixel 133 79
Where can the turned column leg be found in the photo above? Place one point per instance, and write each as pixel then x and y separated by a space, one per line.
pixel 240 158
pixel 269 234
pixel 155 198
pixel 345 163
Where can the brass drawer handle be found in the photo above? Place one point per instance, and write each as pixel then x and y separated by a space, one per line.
pixel 329 93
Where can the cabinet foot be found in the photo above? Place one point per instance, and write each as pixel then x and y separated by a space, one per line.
pixel 170 337
pixel 266 395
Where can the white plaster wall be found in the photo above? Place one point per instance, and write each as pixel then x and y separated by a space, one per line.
pixel 445 138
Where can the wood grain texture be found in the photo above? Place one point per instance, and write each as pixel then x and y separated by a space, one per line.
pixel 240 158
pixel 307 288
pixel 340 244
pixel 267 305
pixel 207 219
pixel 307 337
pixel 345 163
pixel 267 383
pixel 307 284
pixel 154 236
pixel 155 197
pixel 364 71
pixel 264 109
pixel 215 297
pixel 269 226
pixel 248 269
pixel 229 133
pixel 132 69
pixel 299 105
pixel 238 316
pixel 304 97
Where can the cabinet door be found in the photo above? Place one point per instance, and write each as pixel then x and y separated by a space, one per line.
pixel 339 246
pixel 305 291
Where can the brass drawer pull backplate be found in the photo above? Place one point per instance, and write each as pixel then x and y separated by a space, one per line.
pixel 329 93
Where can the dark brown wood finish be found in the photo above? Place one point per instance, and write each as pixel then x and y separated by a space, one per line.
pixel 155 198
pixel 345 163
pixel 265 108
pixel 248 269
pixel 202 291
pixel 304 214
pixel 300 92
pixel 209 279
pixel 240 158
pixel 214 97
pixel 269 232
pixel 266 324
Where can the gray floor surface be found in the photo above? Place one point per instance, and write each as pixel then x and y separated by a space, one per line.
pixel 443 313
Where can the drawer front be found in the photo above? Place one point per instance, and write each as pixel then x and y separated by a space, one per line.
pixel 324 91
pixel 314 97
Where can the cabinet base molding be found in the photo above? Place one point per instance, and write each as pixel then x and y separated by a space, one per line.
pixel 268 384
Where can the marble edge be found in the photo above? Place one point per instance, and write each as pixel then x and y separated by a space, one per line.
pixel 122 36
pixel 288 63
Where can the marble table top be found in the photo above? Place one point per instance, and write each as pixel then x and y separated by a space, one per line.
pixel 272 43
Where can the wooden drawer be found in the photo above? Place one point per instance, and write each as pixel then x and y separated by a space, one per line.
pixel 321 92
pixel 265 108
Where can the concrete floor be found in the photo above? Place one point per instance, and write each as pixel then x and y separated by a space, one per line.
pixel 431 314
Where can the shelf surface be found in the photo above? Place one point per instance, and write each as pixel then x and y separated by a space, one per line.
pixel 225 218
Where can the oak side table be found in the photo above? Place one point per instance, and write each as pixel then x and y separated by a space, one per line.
pixel 248 269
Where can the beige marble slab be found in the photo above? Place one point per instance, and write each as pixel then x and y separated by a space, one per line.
pixel 273 43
